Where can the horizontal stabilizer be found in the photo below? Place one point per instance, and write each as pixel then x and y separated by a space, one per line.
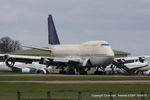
pixel 43 49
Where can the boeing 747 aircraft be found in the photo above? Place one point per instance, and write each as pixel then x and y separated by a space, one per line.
pixel 81 57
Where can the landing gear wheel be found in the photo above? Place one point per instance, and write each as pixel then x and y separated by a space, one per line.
pixel 99 73
pixel 40 72
pixel 82 71
pixel 62 72
pixel 140 72
pixel 70 70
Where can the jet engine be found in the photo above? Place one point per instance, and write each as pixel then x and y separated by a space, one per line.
pixel 147 72
pixel 42 71
pixel 86 62
pixel 10 62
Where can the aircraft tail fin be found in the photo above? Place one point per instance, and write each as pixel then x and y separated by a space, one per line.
pixel 52 34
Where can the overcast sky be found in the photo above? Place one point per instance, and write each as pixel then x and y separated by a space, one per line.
pixel 125 24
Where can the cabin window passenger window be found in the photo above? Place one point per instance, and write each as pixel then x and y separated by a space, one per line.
pixel 105 44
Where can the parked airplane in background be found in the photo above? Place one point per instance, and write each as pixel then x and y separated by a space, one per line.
pixel 131 65
pixel 23 67
pixel 140 67
pixel 80 57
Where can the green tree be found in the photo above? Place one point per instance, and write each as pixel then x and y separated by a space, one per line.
pixel 8 45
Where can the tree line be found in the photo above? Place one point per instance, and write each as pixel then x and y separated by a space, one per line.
pixel 9 45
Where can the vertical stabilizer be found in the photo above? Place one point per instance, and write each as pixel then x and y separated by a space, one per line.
pixel 52 34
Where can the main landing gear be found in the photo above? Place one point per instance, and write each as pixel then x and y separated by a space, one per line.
pixel 62 71
pixel 100 71
pixel 82 71
pixel 69 70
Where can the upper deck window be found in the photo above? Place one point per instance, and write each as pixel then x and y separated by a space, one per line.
pixel 104 44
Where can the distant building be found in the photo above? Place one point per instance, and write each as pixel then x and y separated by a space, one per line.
pixel 34 52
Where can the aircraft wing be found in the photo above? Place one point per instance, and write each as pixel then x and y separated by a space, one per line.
pixel 55 61
pixel 20 58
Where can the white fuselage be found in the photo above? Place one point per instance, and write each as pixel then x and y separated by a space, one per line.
pixel 139 66
pixel 22 66
pixel 98 52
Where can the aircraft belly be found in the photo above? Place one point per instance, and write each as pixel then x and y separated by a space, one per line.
pixel 145 68
pixel 101 61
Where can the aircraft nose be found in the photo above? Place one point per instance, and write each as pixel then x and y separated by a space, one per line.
pixel 109 60
pixel 110 52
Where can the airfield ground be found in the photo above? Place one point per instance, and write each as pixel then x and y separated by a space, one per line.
pixel 60 77
pixel 14 82
pixel 65 95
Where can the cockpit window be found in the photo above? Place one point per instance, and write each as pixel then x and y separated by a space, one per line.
pixel 104 44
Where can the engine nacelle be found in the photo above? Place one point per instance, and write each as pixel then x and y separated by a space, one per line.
pixel 85 62
pixel 10 62
pixel 147 72
pixel 42 71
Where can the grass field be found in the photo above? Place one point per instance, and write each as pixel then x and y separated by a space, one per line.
pixel 33 90
pixel 37 87
pixel 69 78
